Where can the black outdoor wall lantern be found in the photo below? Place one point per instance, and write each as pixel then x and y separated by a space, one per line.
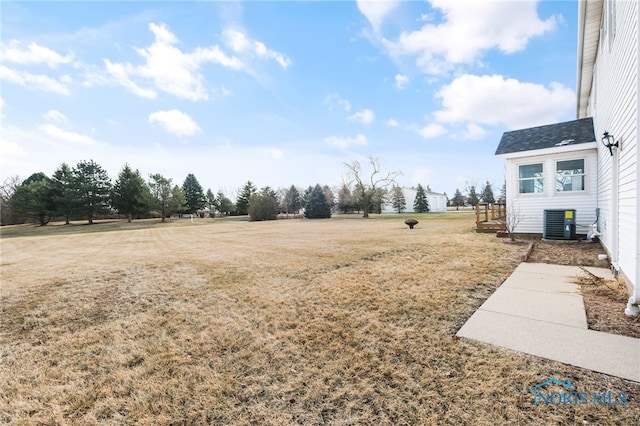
pixel 609 142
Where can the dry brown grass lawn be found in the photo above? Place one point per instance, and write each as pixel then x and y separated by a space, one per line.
pixel 340 321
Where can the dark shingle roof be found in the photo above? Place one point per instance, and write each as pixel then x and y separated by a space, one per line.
pixel 549 136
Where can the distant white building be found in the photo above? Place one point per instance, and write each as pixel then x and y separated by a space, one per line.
pixel 437 202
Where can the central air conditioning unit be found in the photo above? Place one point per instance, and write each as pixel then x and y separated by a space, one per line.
pixel 559 225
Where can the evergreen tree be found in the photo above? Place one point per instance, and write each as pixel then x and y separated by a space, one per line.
pixel 270 192
pixel 503 194
pixel 345 199
pixel 316 206
pixel 487 194
pixel 177 202
pixel 421 203
pixel 64 197
pixel 92 186
pixel 224 205
pixel 160 188
pixel 212 204
pixel 398 200
pixel 242 203
pixel 263 205
pixel 33 199
pixel 328 194
pixel 292 200
pixel 472 196
pixel 130 194
pixel 306 194
pixel 377 200
pixel 458 199
pixel 193 193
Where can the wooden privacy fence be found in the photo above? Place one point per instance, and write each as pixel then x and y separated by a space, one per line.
pixel 490 217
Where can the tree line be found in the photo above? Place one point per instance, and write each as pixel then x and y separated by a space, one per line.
pixel 473 197
pixel 85 191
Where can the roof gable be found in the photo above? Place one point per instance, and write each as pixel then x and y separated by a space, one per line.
pixel 550 136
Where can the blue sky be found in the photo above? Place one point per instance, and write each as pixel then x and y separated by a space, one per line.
pixel 282 92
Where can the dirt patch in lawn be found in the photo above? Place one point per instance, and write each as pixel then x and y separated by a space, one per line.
pixel 604 300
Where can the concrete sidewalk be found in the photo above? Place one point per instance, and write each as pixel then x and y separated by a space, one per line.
pixel 539 310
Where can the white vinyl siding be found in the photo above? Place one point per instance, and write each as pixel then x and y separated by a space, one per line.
pixel 530 207
pixel 615 109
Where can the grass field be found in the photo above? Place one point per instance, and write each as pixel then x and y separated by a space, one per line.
pixel 339 321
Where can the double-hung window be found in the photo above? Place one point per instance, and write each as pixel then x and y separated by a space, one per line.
pixel 530 178
pixel 570 175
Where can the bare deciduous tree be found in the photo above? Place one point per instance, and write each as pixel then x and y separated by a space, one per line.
pixel 511 220
pixel 369 187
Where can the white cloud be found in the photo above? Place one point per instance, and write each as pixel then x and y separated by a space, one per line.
pixel 392 122
pixel 9 148
pixel 241 43
pixel 365 116
pixel 346 142
pixel 221 91
pixel 216 55
pixel 470 28
pixel 176 72
pixel 432 130
pixel 170 69
pixel 401 81
pixel 66 136
pixel 272 153
pixel 35 81
pixel 494 100
pixel 120 74
pixel 334 101
pixel 376 10
pixel 236 40
pixel 44 147
pixel 175 122
pixel 14 51
pixel 473 132
pixel 54 115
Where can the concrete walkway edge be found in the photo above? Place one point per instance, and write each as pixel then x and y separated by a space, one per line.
pixel 539 310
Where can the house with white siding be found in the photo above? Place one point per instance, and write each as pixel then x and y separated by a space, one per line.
pixel 552 167
pixel 601 174
pixel 437 202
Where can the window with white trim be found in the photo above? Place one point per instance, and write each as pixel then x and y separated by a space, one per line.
pixel 570 175
pixel 531 178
